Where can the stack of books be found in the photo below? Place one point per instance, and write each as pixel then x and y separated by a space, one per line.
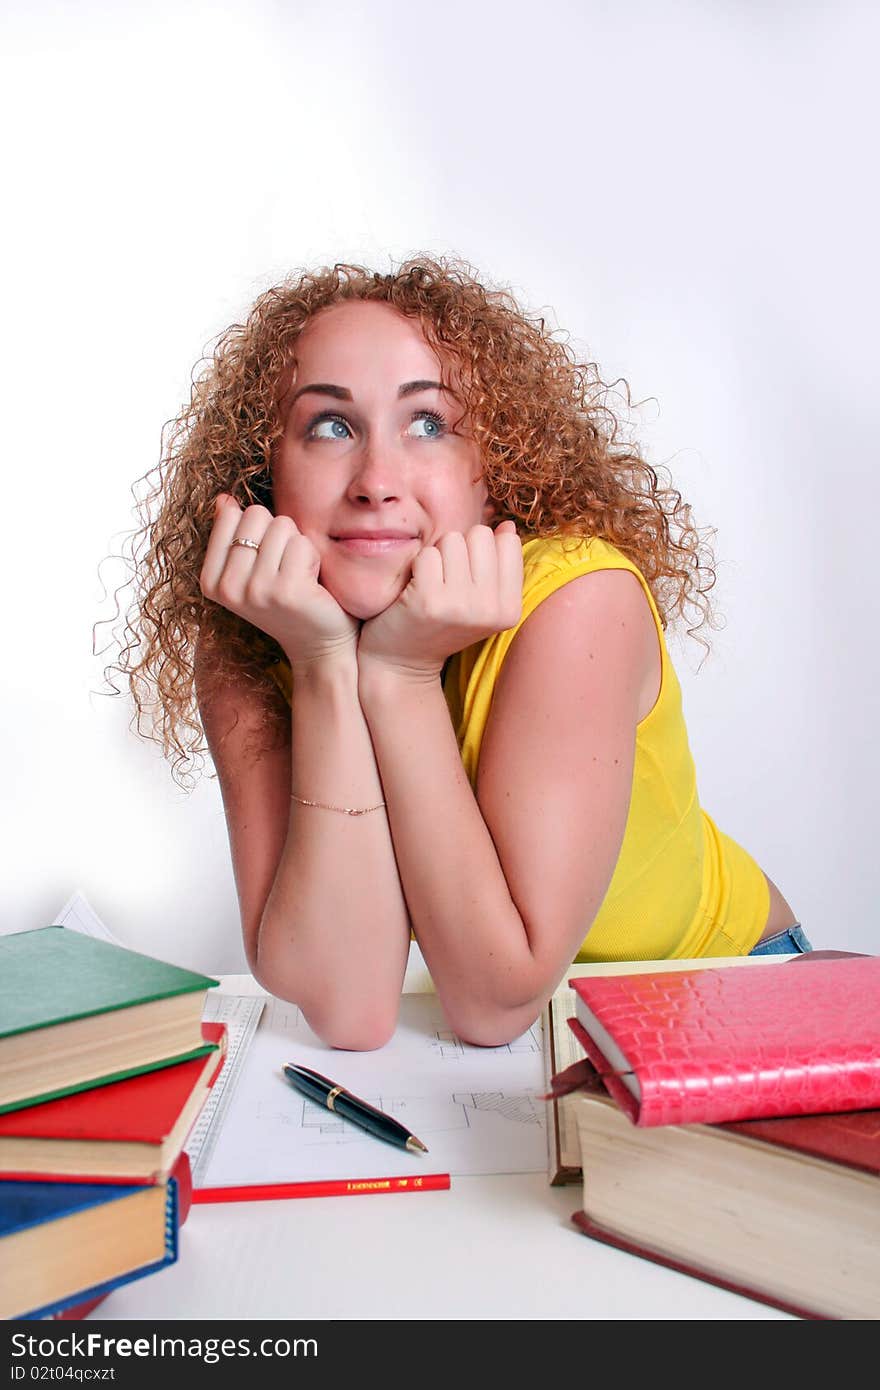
pixel 726 1122
pixel 105 1064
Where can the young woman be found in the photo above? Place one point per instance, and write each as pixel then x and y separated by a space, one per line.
pixel 413 586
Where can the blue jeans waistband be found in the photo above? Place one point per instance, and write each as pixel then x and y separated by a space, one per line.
pixel 792 941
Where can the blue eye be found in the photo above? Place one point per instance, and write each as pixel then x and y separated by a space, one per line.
pixel 433 424
pixel 329 427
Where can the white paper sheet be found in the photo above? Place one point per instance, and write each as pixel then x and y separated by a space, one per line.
pixel 478 1110
pixel 77 914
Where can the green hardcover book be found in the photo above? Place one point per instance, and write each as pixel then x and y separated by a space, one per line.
pixel 76 1012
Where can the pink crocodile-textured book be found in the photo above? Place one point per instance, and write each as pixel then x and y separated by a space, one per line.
pixel 715 1045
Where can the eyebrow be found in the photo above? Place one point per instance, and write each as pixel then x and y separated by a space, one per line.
pixel 412 388
pixel 342 393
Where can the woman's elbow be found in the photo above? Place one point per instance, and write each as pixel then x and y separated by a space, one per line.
pixel 354 1035
pixel 336 1021
pixel 492 1028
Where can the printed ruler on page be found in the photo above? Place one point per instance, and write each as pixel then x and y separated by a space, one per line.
pixel 241 1014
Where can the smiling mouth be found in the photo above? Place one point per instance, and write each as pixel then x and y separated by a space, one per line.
pixel 374 543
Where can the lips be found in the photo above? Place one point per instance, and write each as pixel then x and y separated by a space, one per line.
pixel 384 542
pixel 365 535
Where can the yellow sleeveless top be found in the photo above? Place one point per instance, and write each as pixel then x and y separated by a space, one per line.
pixel 681 887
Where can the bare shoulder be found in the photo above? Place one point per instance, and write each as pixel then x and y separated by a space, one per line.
pixel 606 597
pixel 597 630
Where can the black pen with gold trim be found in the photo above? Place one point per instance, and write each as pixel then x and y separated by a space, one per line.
pixel 321 1089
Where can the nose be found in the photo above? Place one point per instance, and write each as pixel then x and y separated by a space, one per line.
pixel 376 477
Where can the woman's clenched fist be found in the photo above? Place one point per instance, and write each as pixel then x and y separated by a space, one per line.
pixel 272 582
pixel 463 589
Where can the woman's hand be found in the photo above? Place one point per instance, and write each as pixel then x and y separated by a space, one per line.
pixel 276 586
pixel 464 588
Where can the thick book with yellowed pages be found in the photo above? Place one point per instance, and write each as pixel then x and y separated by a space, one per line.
pixel 129 1131
pixel 77 1012
pixel 785 1210
pixel 64 1244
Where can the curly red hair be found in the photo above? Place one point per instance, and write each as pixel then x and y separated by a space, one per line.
pixel 552 447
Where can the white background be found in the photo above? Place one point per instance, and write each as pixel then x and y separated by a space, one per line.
pixel 688 188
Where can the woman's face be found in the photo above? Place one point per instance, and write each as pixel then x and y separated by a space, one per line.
pixel 368 465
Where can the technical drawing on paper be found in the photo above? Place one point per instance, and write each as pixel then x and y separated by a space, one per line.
pixel 448 1045
pixel 478 1110
pixel 426 1116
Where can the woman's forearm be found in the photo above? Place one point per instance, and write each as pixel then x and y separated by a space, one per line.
pixel 472 935
pixel 334 934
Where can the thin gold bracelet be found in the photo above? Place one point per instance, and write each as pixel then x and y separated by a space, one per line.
pixel 343 810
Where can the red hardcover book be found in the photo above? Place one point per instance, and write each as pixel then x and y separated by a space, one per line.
pixel 183 1173
pixel 129 1131
pixel 783 1210
pixel 707 1046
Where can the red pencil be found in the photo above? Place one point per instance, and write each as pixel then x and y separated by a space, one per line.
pixel 343 1187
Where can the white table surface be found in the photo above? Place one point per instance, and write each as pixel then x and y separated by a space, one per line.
pixel 501 1247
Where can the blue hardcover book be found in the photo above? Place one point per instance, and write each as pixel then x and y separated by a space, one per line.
pixel 65 1243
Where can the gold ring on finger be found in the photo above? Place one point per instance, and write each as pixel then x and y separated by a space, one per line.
pixel 243 540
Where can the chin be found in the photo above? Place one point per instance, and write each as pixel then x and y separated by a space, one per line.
pixel 367 600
